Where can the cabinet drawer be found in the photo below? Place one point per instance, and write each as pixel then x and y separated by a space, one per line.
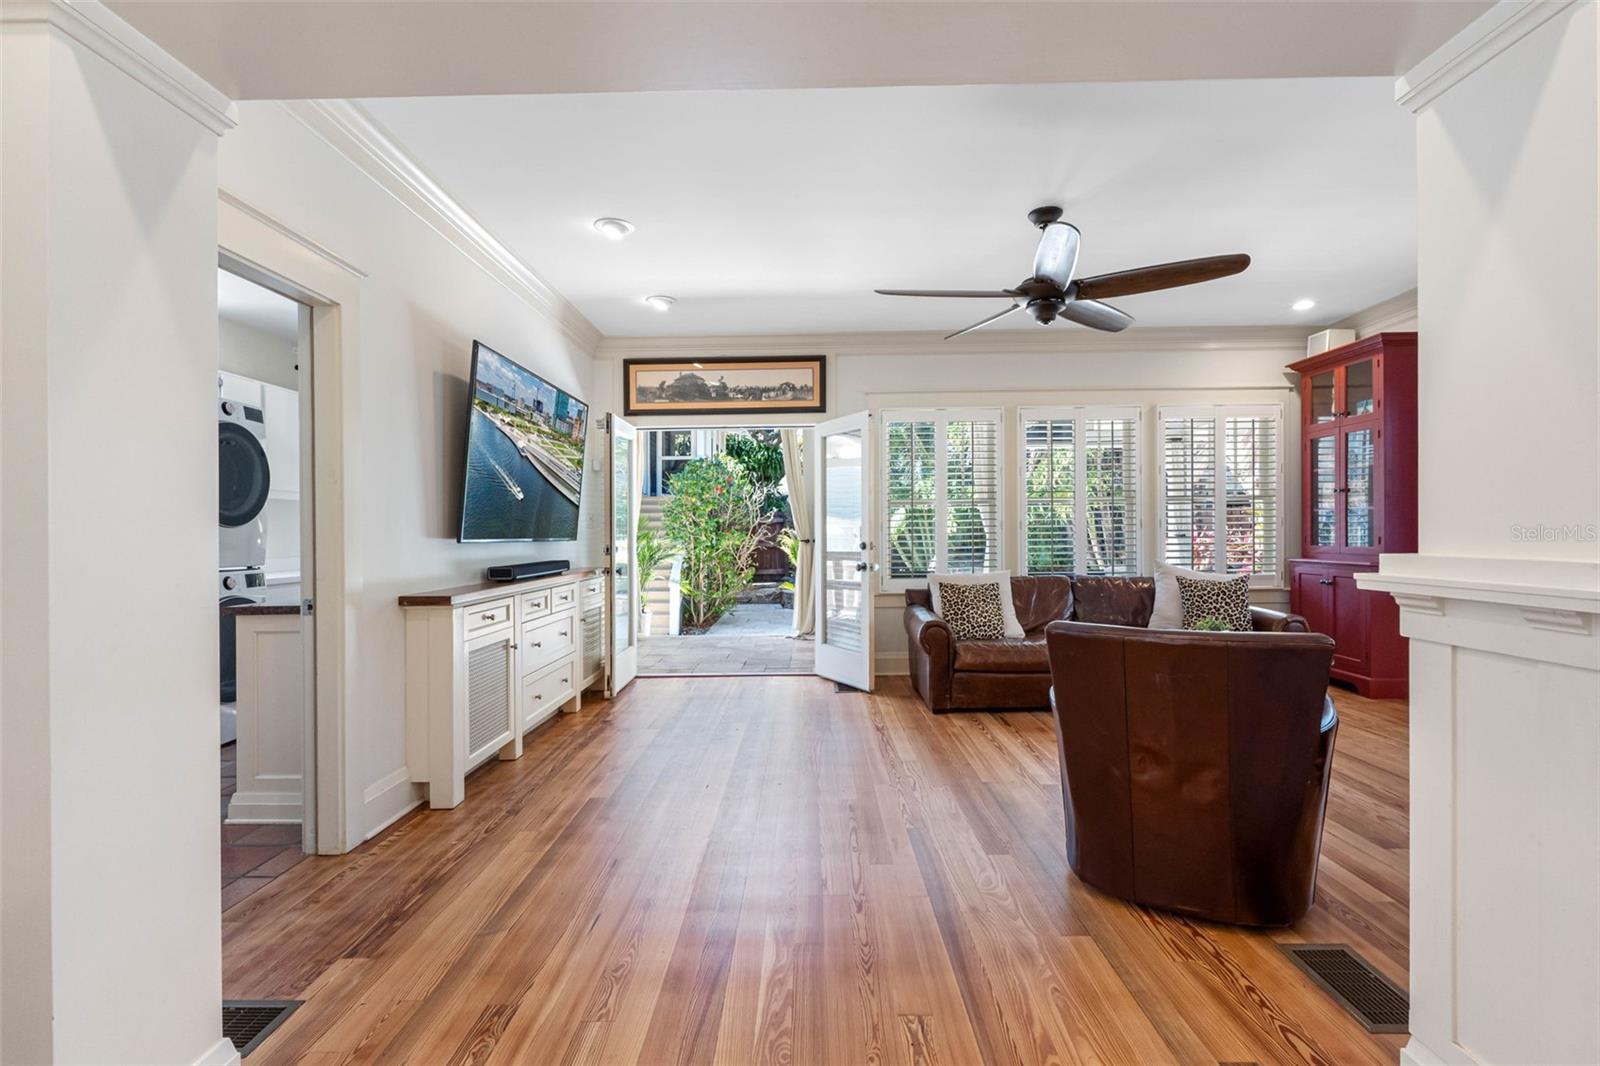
pixel 544 693
pixel 593 589
pixel 546 640
pixel 563 597
pixel 484 616
pixel 535 604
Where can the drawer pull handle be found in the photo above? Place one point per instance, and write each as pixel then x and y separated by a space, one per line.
pixel 488 616
pixel 563 632
pixel 538 644
pixel 538 695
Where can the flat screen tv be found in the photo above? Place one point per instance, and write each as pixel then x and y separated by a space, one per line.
pixel 524 454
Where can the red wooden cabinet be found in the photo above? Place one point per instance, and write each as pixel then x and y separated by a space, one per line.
pixel 1358 478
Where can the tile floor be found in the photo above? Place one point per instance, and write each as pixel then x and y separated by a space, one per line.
pixel 252 855
pixel 753 638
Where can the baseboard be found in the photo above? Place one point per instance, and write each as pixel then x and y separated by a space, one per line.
pixel 222 1053
pixel 892 665
pixel 1416 1053
pixel 388 799
pixel 264 808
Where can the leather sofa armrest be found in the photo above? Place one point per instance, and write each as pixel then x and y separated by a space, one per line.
pixel 932 655
pixel 1266 620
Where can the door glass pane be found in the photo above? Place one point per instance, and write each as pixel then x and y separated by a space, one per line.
pixel 843 534
pixel 911 491
pixel 1322 397
pixel 1324 517
pixel 1358 489
pixel 622 540
pixel 1358 388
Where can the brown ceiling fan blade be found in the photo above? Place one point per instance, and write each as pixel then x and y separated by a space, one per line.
pixel 1005 294
pixel 1164 276
pixel 984 322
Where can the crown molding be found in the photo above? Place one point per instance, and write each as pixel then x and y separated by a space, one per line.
pixel 93 26
pixel 1057 341
pixel 1484 38
pixel 1382 317
pixel 354 134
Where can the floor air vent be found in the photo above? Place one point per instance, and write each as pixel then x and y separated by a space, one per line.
pixel 247 1022
pixel 1375 1000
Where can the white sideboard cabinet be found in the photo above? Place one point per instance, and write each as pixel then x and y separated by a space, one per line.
pixel 485 663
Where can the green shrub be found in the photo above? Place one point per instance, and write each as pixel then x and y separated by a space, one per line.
pixel 714 517
pixel 762 461
pixel 652 548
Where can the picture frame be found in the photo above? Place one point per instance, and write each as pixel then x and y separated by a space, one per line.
pixel 725 385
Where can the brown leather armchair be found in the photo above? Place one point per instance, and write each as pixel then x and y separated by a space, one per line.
pixel 1194 766
pixel 953 675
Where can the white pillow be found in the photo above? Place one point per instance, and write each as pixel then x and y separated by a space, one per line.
pixel 1008 611
pixel 1168 610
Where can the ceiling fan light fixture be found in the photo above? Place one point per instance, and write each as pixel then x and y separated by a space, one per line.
pixel 660 303
pixel 614 228
pixel 1305 303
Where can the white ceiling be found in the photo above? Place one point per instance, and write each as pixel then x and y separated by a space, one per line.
pixel 292 49
pixel 779 211
pixel 260 308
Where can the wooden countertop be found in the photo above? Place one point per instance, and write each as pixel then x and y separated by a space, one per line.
pixel 462 595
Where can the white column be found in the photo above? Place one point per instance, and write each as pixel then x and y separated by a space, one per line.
pixel 109 886
pixel 1500 603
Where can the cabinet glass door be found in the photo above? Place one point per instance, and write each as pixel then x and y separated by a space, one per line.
pixel 1359 397
pixel 1358 517
pixel 1324 496
pixel 1322 397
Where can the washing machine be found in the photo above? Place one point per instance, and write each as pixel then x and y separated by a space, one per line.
pixel 235 588
pixel 244 480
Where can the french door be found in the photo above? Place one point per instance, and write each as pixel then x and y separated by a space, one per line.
pixel 622 647
pixel 844 551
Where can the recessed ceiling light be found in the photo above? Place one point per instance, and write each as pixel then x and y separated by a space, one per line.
pixel 660 303
pixel 1304 304
pixel 615 228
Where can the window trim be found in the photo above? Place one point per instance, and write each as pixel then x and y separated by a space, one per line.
pixel 1219 414
pixel 1079 414
pixel 941 417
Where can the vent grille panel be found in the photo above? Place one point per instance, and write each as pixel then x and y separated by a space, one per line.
pixel 1372 998
pixel 488 694
pixel 247 1022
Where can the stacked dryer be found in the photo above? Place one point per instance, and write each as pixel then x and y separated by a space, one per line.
pixel 244 481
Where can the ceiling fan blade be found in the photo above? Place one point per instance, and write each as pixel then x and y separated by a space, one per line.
pixel 977 293
pixel 985 322
pixel 1164 276
pixel 1057 256
pixel 1097 315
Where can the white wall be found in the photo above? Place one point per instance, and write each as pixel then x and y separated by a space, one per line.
pixel 1023 368
pixel 422 304
pixel 107 376
pixel 254 353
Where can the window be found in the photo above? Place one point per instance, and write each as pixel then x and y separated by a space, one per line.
pixel 941 493
pixel 1221 483
pixel 1079 483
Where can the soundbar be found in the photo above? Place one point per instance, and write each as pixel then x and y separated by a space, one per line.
pixel 524 571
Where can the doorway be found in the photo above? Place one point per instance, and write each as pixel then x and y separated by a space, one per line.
pixel 265 665
pixel 717 580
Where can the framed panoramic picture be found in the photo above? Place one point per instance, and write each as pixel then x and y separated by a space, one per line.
pixel 725 385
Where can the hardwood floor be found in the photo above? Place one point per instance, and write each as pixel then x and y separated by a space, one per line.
pixel 749 870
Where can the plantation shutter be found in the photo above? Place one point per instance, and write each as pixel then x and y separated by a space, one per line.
pixel 1079 479
pixel 942 497
pixel 1221 484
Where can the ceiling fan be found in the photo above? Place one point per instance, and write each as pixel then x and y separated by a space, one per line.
pixel 1051 290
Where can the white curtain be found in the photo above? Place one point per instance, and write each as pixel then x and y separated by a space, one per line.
pixel 794 471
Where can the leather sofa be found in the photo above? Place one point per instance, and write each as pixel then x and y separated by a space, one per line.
pixel 1194 766
pixel 953 675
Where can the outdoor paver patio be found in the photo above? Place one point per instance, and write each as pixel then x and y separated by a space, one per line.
pixel 753 638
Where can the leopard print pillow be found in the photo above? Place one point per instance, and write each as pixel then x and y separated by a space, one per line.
pixel 1227 600
pixel 972 611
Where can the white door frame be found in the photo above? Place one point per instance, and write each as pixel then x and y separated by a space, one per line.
pixel 853 667
pixel 264 250
pixel 622 565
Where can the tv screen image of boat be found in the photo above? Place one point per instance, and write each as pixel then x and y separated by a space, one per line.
pixel 525 442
